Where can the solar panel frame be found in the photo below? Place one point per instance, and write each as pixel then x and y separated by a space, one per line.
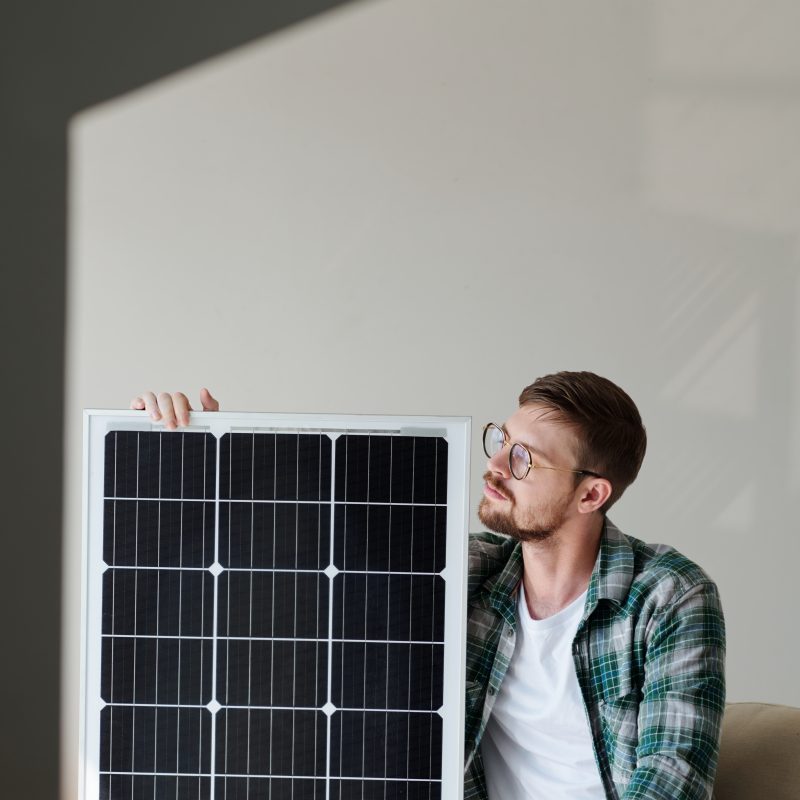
pixel 455 430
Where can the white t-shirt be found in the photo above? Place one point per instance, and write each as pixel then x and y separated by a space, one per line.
pixel 537 743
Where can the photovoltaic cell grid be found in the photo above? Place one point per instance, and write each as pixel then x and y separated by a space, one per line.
pixel 273 616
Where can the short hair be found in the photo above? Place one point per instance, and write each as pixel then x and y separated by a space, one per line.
pixel 611 437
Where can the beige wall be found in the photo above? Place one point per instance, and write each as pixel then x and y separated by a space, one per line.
pixel 420 206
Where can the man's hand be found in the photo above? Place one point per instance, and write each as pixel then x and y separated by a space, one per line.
pixel 173 408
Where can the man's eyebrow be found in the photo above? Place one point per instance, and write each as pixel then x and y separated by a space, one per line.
pixel 530 447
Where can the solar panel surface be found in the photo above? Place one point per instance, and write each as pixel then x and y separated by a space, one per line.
pixel 274 615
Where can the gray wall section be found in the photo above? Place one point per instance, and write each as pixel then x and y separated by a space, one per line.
pixel 56 59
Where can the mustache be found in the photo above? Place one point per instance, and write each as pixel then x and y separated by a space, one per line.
pixel 493 483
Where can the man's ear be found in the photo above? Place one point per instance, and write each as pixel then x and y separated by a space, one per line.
pixel 594 493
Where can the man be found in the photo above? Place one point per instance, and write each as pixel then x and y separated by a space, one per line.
pixel 595 663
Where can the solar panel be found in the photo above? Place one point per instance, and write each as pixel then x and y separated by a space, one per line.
pixel 271 605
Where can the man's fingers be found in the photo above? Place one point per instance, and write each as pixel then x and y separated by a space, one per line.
pixel 146 401
pixel 167 410
pixel 209 402
pixel 180 404
pixel 172 407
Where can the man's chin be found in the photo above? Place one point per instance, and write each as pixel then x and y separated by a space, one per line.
pixel 489 516
pixel 499 522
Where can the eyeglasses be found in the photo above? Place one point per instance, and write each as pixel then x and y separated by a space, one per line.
pixel 520 462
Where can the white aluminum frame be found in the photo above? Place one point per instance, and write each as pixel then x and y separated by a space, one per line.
pixel 456 430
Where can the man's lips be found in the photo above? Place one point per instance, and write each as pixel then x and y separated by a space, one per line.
pixel 491 491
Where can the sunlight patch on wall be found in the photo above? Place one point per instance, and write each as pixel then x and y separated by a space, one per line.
pixel 721 374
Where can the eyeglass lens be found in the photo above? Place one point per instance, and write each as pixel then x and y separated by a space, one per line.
pixel 493 440
pixel 518 458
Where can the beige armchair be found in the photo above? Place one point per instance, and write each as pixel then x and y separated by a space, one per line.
pixel 759 755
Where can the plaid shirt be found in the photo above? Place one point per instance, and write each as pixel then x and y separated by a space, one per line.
pixel 649 655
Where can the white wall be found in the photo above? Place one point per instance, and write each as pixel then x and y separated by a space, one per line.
pixel 420 206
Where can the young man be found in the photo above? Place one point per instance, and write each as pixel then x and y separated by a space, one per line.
pixel 595 663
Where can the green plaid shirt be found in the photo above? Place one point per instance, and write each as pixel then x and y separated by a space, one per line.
pixel 649 655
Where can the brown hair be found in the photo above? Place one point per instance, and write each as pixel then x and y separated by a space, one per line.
pixel 611 437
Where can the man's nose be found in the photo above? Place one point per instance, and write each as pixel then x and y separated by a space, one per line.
pixel 498 463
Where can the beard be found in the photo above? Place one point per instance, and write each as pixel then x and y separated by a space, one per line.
pixel 530 525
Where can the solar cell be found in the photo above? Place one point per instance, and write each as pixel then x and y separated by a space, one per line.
pixel 276 609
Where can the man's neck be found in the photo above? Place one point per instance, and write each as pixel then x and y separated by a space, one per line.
pixel 558 570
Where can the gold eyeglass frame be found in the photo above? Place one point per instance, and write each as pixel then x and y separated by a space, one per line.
pixel 531 464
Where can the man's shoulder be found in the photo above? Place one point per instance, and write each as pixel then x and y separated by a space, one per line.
pixel 660 572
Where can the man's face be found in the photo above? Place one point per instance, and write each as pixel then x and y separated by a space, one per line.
pixel 535 508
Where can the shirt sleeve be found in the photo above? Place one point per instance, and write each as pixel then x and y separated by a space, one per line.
pixel 683 700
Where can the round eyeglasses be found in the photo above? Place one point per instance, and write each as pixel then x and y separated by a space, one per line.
pixel 520 462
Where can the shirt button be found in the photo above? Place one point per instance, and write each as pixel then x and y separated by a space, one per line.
pixel 492 690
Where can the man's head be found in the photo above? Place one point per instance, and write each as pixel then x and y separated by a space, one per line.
pixel 586 441
pixel 611 439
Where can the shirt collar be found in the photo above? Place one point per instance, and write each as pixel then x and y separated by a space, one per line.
pixel 610 580
pixel 613 570
pixel 503 591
